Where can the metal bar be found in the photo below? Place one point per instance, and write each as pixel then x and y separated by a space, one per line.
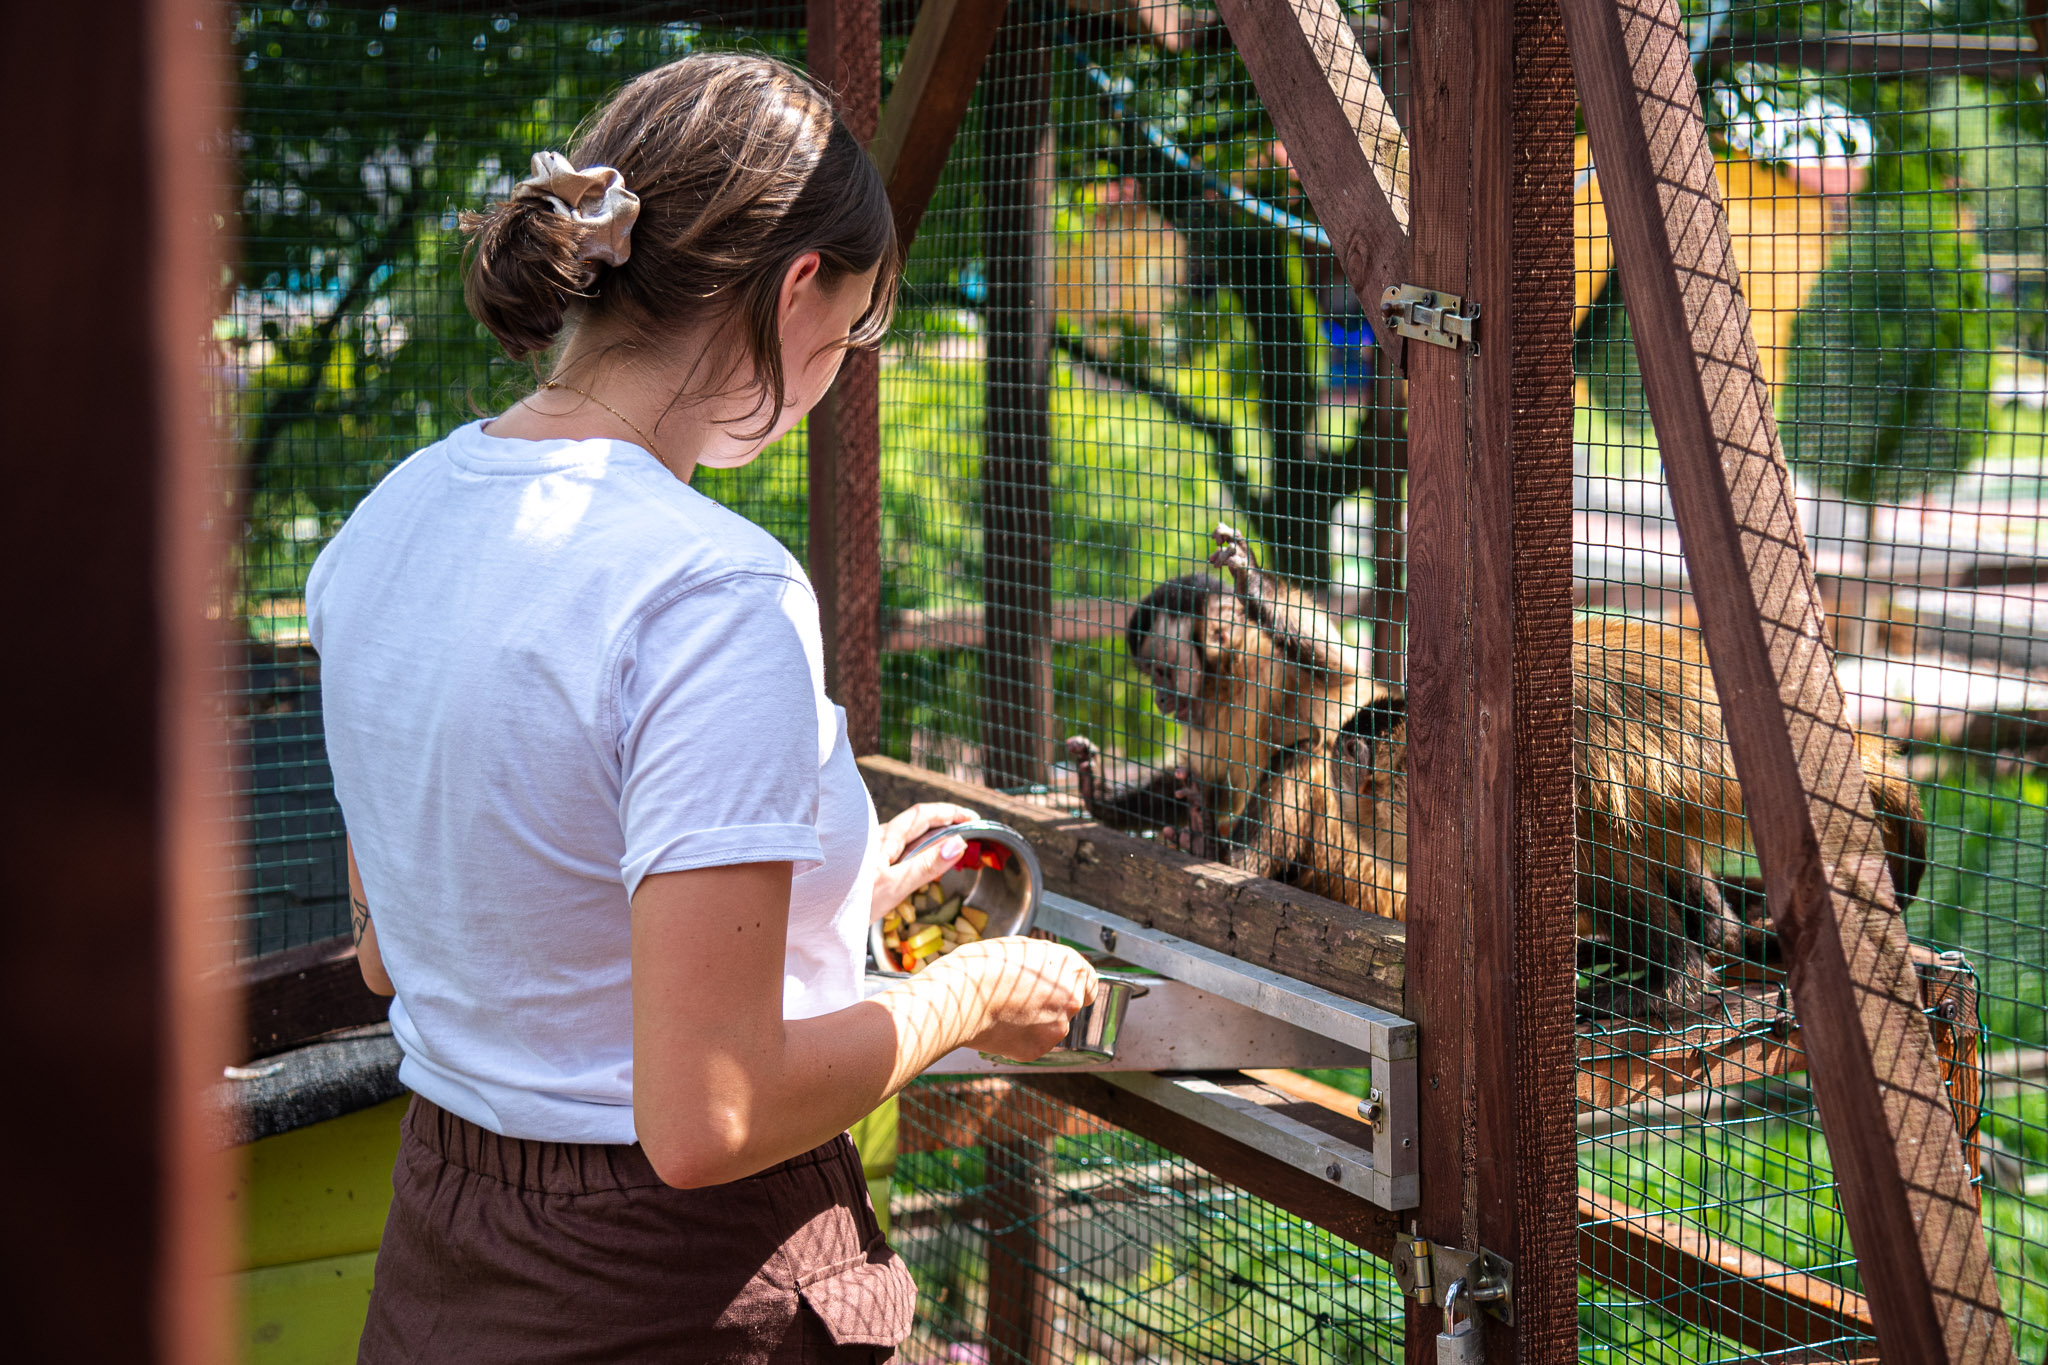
pixel 930 97
pixel 845 429
pixel 1176 1027
pixel 1344 1164
pixel 1911 1213
pixel 1270 993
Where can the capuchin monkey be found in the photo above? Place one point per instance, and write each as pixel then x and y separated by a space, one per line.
pixel 1657 802
pixel 1247 667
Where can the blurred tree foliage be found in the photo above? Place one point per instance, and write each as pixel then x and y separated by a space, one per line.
pixel 360 134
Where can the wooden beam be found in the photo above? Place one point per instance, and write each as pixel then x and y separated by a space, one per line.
pixel 1018 168
pixel 844 41
pixel 1317 1202
pixel 114 813
pixel 1712 1284
pixel 300 994
pixel 1342 137
pixel 1905 1189
pixel 1490 909
pixel 1320 941
pixel 1897 54
pixel 1071 620
pixel 930 97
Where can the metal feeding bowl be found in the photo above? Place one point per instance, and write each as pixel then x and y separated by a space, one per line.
pixel 1008 896
pixel 1091 1036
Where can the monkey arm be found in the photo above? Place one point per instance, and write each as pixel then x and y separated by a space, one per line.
pixel 1303 634
pixel 1141 806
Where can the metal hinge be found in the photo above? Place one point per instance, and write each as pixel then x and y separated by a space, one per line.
pixel 1433 316
pixel 1422 1266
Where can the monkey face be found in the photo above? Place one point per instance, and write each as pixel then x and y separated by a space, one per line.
pixel 1172 662
pixel 1368 764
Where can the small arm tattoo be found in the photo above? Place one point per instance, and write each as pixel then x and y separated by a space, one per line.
pixel 359 915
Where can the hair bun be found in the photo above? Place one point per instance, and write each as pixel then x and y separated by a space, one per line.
pixel 525 269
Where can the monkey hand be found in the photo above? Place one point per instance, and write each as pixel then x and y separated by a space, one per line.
pixel 1233 552
pixel 1083 752
pixel 1197 837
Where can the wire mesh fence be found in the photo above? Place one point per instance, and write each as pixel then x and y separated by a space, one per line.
pixel 1882 170
pixel 1122 325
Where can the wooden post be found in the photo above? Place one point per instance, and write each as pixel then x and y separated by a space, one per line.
pixel 947 48
pixel 845 431
pixel 112 812
pixel 1490 918
pixel 1021 1259
pixel 1905 1189
pixel 1016 464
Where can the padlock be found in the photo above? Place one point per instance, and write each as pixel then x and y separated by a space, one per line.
pixel 1460 1342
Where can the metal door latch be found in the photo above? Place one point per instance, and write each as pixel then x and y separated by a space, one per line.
pixel 1481 1278
pixel 1432 316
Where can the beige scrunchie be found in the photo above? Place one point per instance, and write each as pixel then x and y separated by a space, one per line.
pixel 597 199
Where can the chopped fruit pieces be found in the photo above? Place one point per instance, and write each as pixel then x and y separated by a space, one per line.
pixel 977 918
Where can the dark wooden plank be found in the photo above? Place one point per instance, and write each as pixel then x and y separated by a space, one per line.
pixel 1903 54
pixel 1710 1283
pixel 1017 174
pixel 1911 1212
pixel 113 813
pixel 1328 1207
pixel 1022 1260
pixel 1320 941
pixel 845 430
pixel 300 994
pixel 1525 1044
pixel 1443 741
pixel 1342 137
pixel 1070 620
pixel 930 97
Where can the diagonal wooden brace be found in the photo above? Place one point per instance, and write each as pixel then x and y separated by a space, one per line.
pixel 1911 1212
pixel 948 46
pixel 1342 137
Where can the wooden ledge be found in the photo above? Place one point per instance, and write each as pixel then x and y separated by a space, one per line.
pixel 1310 938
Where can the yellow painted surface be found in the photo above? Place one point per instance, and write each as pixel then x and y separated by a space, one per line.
pixel 874 1137
pixel 321 1191
pixel 1778 231
pixel 309 1313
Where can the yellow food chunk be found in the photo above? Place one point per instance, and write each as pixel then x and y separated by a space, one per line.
pixel 965 932
pixel 924 940
pixel 977 918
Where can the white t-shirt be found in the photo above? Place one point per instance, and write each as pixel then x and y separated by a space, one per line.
pixel 549 670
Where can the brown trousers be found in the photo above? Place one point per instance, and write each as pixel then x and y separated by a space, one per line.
pixel 500 1250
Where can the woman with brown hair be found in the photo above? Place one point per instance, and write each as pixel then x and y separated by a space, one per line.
pixel 608 844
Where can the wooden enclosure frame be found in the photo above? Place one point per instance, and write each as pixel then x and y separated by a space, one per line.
pixel 1479 204
pixel 1486 214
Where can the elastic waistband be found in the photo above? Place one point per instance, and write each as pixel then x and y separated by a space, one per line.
pixel 561 1167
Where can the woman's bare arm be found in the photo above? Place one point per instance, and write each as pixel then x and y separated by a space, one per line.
pixel 365 930
pixel 724 1087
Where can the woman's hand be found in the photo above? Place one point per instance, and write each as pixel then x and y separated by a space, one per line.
pixel 1030 990
pixel 900 878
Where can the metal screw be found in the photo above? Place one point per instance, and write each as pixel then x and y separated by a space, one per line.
pixel 1334 1171
pixel 1407 1142
pixel 1108 939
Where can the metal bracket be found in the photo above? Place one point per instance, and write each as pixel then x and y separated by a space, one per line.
pixel 1420 1265
pixel 1432 316
pixel 1388 1172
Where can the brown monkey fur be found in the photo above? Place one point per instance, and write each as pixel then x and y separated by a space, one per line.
pixel 1249 667
pixel 1657 800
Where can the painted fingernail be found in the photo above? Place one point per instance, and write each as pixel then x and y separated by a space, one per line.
pixel 952 848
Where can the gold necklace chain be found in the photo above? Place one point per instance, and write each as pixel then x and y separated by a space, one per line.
pixel 645 439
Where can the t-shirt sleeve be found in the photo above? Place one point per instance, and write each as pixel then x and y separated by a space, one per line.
pixel 718 729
